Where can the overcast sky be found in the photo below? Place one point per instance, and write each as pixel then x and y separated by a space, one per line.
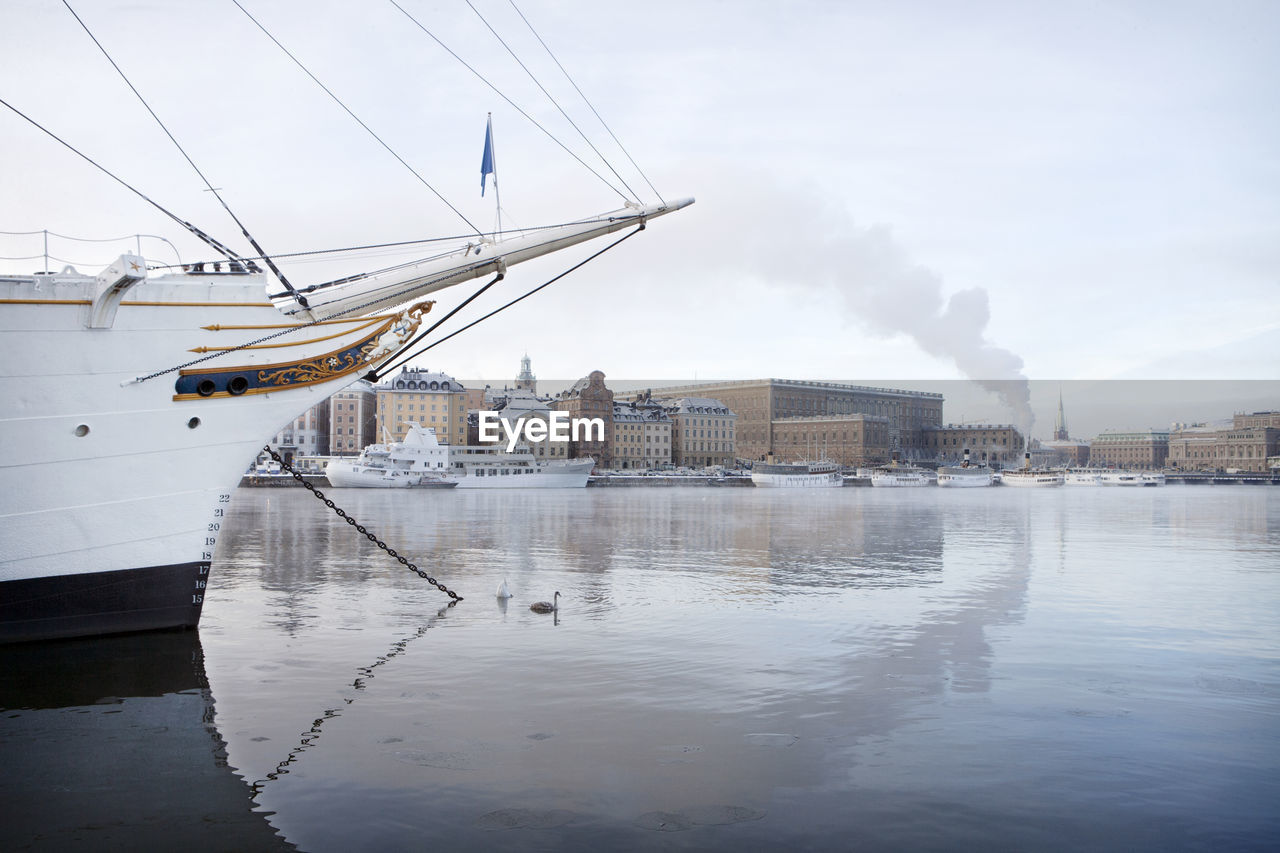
pixel 887 191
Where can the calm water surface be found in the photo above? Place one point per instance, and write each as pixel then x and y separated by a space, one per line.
pixel 746 669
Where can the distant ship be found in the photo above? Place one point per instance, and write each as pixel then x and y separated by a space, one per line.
pixel 822 474
pixel 964 475
pixel 418 461
pixel 1028 477
pixel 895 475
pixel 485 467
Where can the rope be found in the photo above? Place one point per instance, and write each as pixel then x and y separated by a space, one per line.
pixel 214 244
pixel 553 101
pixel 402 359
pixel 357 118
pixel 512 103
pixel 586 101
pixel 181 150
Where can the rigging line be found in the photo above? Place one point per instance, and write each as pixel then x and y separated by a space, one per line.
pixel 586 101
pixel 553 101
pixel 401 360
pixel 245 231
pixel 512 103
pixel 216 245
pixel 356 248
pixel 373 374
pixel 338 100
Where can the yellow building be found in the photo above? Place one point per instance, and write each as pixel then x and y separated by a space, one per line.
pixel 432 399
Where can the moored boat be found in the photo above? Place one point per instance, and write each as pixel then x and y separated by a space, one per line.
pixel 965 475
pixel 417 461
pixel 898 476
pixel 485 467
pixel 1028 477
pixel 821 474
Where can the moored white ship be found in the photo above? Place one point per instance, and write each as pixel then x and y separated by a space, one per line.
pixel 485 467
pixel 1028 477
pixel 1120 477
pixel 897 476
pixel 965 475
pixel 1082 476
pixel 822 474
pixel 417 461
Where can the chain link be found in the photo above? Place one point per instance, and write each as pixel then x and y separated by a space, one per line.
pixel 391 552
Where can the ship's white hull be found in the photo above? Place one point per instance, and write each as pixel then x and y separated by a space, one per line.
pixel 344 474
pixel 1031 480
pixel 110 484
pixel 900 480
pixel 830 480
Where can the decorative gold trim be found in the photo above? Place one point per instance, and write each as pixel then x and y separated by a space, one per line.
pixel 319 369
pixel 370 322
pixel 385 325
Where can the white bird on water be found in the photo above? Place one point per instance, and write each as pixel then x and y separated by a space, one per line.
pixel 546 606
pixel 503 592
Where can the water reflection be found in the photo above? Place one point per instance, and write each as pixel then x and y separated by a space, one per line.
pixel 111 744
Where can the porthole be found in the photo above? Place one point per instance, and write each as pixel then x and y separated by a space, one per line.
pixel 82 430
pixel 206 388
pixel 193 423
pixel 238 385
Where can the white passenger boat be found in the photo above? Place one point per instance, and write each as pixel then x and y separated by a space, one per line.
pixel 1028 477
pixel 822 474
pixel 1082 476
pixel 418 461
pixel 897 476
pixel 1120 477
pixel 120 449
pixel 965 475
pixel 1152 478
pixel 486 467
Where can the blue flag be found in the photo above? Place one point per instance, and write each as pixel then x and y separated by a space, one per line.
pixel 486 162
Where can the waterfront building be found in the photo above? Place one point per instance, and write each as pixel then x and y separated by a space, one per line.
pixel 1146 450
pixel 589 398
pixel 850 440
pixel 997 445
pixel 1066 452
pixel 1256 420
pixel 1247 449
pixel 1243 443
pixel 1194 447
pixel 433 399
pixel 353 419
pixel 305 435
pixel 515 408
pixel 757 403
pixel 703 432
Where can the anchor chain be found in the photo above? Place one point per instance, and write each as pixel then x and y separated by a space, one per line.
pixel 391 552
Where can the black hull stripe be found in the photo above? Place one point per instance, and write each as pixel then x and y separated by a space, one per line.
pixel 96 603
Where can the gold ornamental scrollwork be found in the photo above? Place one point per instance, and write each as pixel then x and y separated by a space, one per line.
pixel 325 367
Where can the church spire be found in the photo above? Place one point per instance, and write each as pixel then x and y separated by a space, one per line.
pixel 1060 425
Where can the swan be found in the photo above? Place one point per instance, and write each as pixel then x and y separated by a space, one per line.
pixel 503 592
pixel 546 606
